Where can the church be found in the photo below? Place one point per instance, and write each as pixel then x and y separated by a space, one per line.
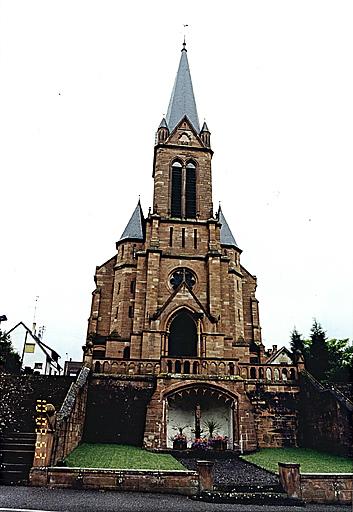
pixel 174 304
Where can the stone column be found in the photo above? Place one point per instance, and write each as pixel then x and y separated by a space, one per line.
pixel 205 471
pixel 289 475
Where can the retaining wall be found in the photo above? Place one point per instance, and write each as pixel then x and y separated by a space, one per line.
pixel 172 482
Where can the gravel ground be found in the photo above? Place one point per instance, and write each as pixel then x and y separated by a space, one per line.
pixel 231 471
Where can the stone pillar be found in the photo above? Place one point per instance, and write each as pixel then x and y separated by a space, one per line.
pixel 45 438
pixel 289 475
pixel 205 471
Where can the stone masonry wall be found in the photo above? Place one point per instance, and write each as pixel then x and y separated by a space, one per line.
pixel 18 396
pixel 325 423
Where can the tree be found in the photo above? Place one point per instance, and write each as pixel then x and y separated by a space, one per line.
pixel 10 361
pixel 297 344
pixel 317 359
pixel 340 366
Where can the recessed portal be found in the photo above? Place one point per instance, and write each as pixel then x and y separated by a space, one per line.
pixel 182 340
pixel 193 409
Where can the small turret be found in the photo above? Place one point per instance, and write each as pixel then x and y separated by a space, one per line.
pixel 162 132
pixel 205 135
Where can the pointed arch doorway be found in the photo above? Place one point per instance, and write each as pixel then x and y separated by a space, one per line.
pixel 182 340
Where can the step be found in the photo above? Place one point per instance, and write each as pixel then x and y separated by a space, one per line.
pixel 18 434
pixel 262 488
pixel 14 466
pixel 17 456
pixel 14 476
pixel 12 445
pixel 254 498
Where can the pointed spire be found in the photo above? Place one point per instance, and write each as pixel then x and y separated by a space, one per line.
pixel 135 227
pixel 163 124
pixel 205 128
pixel 182 101
pixel 227 237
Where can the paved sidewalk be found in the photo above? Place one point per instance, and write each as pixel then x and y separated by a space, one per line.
pixel 68 500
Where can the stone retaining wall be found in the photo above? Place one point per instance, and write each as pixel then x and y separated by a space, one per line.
pixel 316 487
pixel 172 482
pixel 327 487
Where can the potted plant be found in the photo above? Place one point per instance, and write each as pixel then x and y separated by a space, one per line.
pixel 180 441
pixel 211 427
pixel 219 442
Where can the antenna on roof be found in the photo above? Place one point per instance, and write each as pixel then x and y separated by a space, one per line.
pixel 34 314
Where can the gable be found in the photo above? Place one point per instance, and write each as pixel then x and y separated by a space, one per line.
pixel 184 135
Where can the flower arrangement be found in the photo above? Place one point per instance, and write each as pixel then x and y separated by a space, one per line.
pixel 200 443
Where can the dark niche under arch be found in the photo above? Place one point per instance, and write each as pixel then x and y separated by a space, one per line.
pixel 182 341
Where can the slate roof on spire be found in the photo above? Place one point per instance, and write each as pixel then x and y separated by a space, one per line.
pixel 135 227
pixel 163 124
pixel 227 237
pixel 205 128
pixel 182 101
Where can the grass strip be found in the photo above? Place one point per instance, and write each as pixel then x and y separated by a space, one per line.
pixel 116 456
pixel 311 461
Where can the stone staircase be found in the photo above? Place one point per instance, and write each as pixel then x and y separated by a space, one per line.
pixel 238 481
pixel 16 457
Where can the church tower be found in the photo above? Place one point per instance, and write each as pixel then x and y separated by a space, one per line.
pixel 174 302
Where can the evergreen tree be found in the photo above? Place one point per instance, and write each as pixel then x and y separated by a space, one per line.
pixel 318 352
pixel 9 359
pixel 340 366
pixel 297 344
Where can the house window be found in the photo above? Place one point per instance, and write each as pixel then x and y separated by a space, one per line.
pixel 131 311
pixel 195 238
pixel 132 286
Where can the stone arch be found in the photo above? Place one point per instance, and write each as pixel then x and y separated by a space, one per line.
pixel 106 367
pixel 183 338
pixel 292 374
pixel 115 367
pixel 214 402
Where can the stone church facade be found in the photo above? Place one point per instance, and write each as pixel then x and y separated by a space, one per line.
pixel 175 303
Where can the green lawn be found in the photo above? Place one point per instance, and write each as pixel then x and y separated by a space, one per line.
pixel 119 457
pixel 311 461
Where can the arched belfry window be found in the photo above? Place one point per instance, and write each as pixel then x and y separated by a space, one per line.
pixel 182 341
pixel 183 190
pixel 190 191
pixel 176 193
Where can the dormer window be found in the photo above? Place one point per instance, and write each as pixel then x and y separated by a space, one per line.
pixel 183 190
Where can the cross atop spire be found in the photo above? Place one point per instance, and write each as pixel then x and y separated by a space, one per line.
pixel 182 101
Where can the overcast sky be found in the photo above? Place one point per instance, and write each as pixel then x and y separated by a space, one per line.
pixel 83 87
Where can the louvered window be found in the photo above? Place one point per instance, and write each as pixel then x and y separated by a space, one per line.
pixel 176 189
pixel 190 191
